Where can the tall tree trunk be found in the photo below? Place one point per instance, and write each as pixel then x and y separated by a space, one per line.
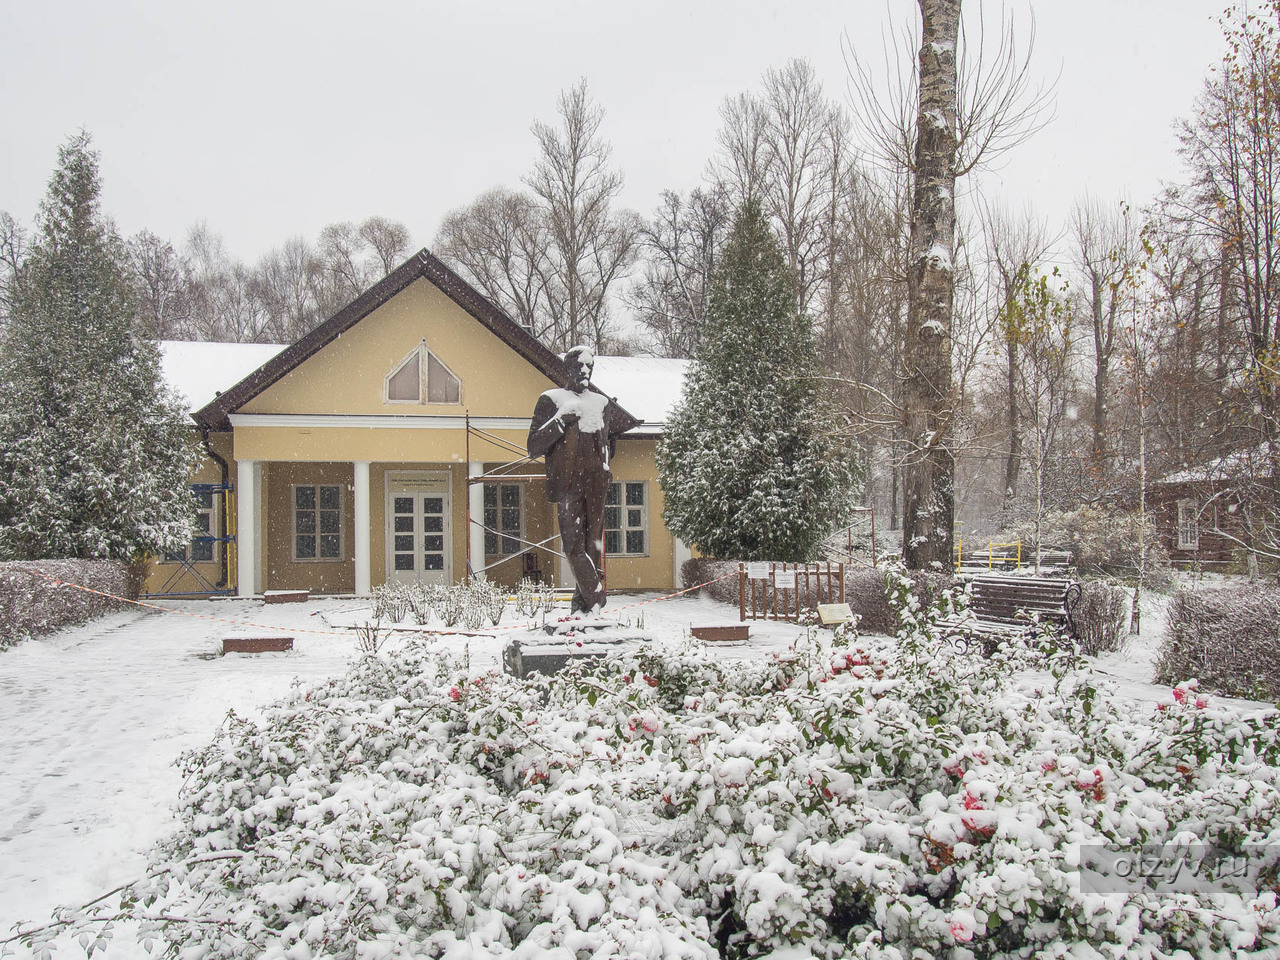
pixel 1013 461
pixel 929 481
pixel 1101 374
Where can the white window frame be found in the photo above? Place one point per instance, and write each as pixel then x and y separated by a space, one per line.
pixel 623 517
pixel 422 356
pixel 293 528
pixel 1188 526
pixel 502 533
pixel 211 511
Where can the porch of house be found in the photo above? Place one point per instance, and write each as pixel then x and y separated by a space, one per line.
pixel 342 527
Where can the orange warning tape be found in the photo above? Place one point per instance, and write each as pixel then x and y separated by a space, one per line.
pixel 349 630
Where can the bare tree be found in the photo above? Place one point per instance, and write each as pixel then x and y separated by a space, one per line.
pixel 743 159
pixel 1105 251
pixel 999 102
pixel 500 243
pixel 1232 145
pixel 12 251
pixel 929 485
pixel 283 282
pixel 224 305
pixel 788 149
pixel 162 280
pixel 682 243
pixel 1015 246
pixel 591 247
pixel 387 242
pixel 1039 317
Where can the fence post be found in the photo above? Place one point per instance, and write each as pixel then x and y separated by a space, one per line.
pixel 742 593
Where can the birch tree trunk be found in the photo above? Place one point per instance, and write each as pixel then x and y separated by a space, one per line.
pixel 929 480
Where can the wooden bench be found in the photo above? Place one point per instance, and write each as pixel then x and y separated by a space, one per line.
pixel 1006 605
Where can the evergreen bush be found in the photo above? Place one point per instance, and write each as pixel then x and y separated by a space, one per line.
pixel 747 464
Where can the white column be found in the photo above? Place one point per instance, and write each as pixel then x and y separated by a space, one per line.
pixel 246 527
pixel 475 501
pixel 682 553
pixel 360 549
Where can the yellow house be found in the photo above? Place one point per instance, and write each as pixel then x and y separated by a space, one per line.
pixel 388 443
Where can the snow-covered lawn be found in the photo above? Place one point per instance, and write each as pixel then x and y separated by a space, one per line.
pixel 94 717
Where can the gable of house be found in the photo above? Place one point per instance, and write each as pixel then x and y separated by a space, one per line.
pixel 372 448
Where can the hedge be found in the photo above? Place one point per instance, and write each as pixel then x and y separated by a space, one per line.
pixel 31 604
pixel 1227 638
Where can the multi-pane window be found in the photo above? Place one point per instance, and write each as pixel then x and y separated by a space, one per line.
pixel 626 519
pixel 422 374
pixel 1188 526
pixel 317 522
pixel 200 549
pixel 503 514
pixel 202 542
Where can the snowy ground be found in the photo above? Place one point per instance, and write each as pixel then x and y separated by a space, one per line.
pixel 92 719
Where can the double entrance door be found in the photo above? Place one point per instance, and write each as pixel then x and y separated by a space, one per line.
pixel 418 528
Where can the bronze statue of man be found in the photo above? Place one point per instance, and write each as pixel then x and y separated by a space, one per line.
pixel 575 428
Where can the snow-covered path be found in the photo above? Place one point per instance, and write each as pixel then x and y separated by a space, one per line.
pixel 91 721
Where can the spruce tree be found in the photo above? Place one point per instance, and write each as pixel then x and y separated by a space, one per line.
pixel 745 464
pixel 95 453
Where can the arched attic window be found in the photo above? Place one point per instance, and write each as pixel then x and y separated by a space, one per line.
pixel 421 377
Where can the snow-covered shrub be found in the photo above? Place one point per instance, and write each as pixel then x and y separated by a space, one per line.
pixel 451 605
pixel 701 570
pixel 528 598
pixel 1227 638
pixel 473 602
pixel 31 605
pixel 490 597
pixel 858 797
pixel 1102 542
pixel 1102 616
pixel 867 596
pixel 420 599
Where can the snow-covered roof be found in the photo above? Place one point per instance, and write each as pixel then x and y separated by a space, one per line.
pixel 1253 463
pixel 646 387
pixel 200 370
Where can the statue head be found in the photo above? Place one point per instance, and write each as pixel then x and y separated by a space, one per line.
pixel 579 362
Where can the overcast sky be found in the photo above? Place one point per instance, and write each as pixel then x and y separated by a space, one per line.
pixel 271 119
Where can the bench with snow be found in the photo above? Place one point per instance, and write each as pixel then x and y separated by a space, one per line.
pixel 571 639
pixel 1005 605
pixel 261 641
pixel 286 596
pixel 721 632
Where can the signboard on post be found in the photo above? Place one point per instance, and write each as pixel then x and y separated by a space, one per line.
pixel 784 579
pixel 757 571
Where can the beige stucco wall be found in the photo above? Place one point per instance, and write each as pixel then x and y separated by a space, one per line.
pixel 346 376
pixel 634 461
pixel 387 444
pixel 282 571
